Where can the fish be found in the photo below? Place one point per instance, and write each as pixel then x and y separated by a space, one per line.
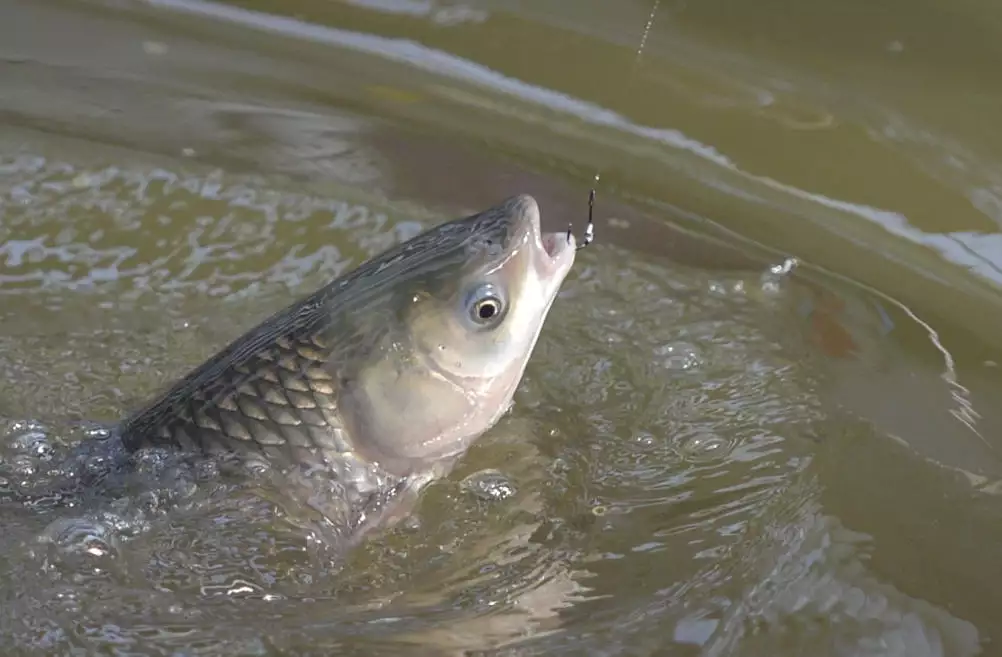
pixel 377 383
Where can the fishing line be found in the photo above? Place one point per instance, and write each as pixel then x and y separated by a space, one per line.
pixel 589 233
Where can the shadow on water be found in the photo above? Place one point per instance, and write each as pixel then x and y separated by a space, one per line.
pixel 703 458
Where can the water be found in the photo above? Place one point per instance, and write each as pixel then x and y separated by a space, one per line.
pixel 707 456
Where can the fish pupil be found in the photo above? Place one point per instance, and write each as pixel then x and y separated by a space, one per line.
pixel 487 310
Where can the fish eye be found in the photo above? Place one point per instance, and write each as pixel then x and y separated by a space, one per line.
pixel 486 305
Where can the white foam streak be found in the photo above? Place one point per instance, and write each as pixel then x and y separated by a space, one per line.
pixel 968 251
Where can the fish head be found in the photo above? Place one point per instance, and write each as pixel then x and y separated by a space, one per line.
pixel 469 302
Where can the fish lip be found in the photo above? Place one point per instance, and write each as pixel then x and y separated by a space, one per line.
pixel 554 252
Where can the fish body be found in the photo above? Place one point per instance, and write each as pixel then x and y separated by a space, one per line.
pixel 377 382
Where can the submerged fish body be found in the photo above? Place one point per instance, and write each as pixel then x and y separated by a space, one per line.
pixel 378 381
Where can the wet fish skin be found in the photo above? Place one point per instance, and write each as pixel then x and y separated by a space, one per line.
pixel 378 381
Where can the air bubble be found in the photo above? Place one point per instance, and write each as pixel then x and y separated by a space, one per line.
pixel 644 439
pixel 152 460
pixel 773 278
pixel 24 466
pixel 33 443
pixel 80 536
pixel 679 356
pixel 704 447
pixel 97 433
pixel 489 485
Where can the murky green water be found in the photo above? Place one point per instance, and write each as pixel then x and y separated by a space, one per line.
pixel 704 459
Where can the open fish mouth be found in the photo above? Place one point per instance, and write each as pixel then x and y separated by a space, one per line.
pixel 554 243
pixel 554 251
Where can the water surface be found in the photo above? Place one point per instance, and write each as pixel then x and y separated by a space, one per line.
pixel 704 458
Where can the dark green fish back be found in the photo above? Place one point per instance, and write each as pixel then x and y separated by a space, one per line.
pixel 272 392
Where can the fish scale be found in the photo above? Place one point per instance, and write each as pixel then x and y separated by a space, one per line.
pixel 279 402
pixel 278 407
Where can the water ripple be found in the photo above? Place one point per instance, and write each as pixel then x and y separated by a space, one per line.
pixel 653 480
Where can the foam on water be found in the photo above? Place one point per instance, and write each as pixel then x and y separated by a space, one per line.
pixel 655 476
